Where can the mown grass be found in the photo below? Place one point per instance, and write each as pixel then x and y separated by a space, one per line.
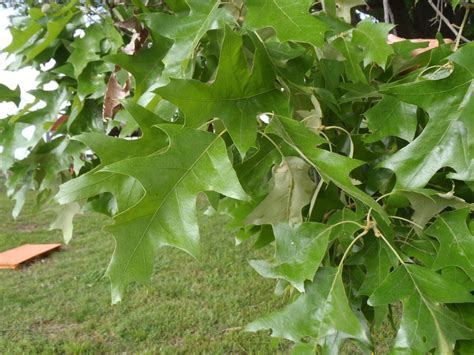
pixel 62 303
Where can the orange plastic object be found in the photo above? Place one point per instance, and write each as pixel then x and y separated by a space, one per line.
pixel 13 258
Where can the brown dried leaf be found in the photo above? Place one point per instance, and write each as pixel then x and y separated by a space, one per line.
pixel 136 42
pixel 114 93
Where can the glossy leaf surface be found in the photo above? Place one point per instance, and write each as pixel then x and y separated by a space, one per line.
pixel 341 156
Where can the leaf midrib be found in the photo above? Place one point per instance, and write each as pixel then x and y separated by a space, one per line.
pixel 456 240
pixel 165 198
pixel 222 99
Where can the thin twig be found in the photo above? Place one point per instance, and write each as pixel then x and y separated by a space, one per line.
pixel 439 5
pixel 467 5
pixel 386 11
pixel 315 196
pixel 388 14
pixel 463 23
pixel 446 21
pixel 351 150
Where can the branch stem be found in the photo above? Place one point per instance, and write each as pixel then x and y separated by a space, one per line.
pixel 446 21
pixel 463 23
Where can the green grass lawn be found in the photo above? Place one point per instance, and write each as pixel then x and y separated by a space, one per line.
pixel 62 303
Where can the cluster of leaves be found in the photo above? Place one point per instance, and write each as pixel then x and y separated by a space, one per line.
pixel 349 157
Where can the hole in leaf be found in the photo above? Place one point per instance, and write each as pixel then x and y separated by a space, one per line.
pixel 28 132
pixel 264 118
pixel 306 339
pixel 316 7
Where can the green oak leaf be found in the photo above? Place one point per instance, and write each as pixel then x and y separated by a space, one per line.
pixel 353 57
pixel 7 94
pixel 178 5
pixel 456 242
pixel 463 56
pixel 195 161
pixel 425 326
pixel 254 171
pixel 345 223
pixel 126 190
pixel 322 311
pixel 237 95
pixel 426 323
pixel 344 7
pixel 378 259
pixel 428 203
pixel 146 66
pixel 64 219
pixel 18 195
pixel 455 3
pixel 420 248
pixel 341 8
pixel 53 30
pixel 331 166
pixel 40 170
pixel 112 149
pixel 89 48
pixel 372 38
pixel 403 59
pixel 391 117
pixel 291 189
pixel 448 138
pixel 53 100
pixel 299 251
pixel 23 37
pixel 295 22
pixel 91 81
pixel 40 118
pixel 186 30
pixel 10 140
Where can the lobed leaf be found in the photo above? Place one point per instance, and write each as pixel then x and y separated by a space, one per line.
pixel 166 215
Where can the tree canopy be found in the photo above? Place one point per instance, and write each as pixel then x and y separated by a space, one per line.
pixel 349 156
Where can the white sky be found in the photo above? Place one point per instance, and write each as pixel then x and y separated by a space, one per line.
pixel 24 77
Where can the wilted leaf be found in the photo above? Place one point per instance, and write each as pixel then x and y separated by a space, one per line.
pixel 428 203
pixel 332 167
pixel 64 219
pixel 113 94
pixel 291 190
pixel 146 66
